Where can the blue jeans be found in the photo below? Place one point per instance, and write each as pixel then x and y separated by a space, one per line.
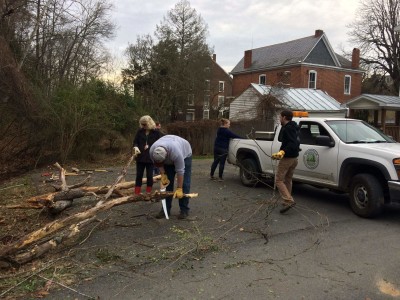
pixel 219 158
pixel 170 171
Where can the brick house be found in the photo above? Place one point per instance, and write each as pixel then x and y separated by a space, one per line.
pixel 308 62
pixel 214 102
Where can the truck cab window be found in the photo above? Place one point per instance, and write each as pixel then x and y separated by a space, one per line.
pixel 309 132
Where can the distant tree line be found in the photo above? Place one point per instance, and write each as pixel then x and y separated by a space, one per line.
pixel 53 105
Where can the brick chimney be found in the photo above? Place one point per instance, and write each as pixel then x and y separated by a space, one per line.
pixel 215 57
pixel 247 58
pixel 355 58
pixel 318 32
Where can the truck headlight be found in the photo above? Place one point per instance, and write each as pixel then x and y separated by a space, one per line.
pixel 396 163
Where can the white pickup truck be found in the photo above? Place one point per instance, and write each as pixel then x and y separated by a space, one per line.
pixel 343 155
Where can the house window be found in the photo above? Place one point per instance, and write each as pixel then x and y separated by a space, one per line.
pixel 221 86
pixel 262 79
pixel 221 101
pixel 191 99
pixel 206 114
pixel 206 101
pixel 189 115
pixel 312 79
pixel 347 84
pixel 207 85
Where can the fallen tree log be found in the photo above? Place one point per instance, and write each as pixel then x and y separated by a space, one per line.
pixel 49 199
pixel 8 251
pixel 44 238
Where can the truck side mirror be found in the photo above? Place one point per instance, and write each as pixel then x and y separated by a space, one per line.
pixel 324 140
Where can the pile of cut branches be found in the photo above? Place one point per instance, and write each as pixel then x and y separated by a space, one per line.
pixel 55 233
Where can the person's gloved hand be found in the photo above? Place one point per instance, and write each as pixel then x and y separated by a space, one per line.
pixel 136 151
pixel 278 155
pixel 178 193
pixel 164 179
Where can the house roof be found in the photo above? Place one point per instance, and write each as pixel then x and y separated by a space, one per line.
pixel 214 61
pixel 301 98
pixel 291 53
pixel 383 101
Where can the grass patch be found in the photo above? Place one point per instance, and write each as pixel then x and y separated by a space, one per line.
pixel 105 256
pixel 237 264
pixel 200 242
pixel 16 189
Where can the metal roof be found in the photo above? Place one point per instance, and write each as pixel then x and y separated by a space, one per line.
pixel 381 100
pixel 301 98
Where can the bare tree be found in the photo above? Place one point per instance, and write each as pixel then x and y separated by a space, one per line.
pixel 167 72
pixel 373 32
pixel 186 30
pixel 140 57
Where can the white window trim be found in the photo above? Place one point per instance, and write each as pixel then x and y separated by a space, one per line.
pixel 206 114
pixel 265 79
pixel 315 82
pixel 207 85
pixel 221 101
pixel 190 112
pixel 206 102
pixel 190 99
pixel 219 86
pixel 349 91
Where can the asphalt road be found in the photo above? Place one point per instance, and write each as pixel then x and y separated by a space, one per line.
pixel 238 246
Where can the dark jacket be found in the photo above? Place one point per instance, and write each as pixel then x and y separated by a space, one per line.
pixel 223 137
pixel 289 136
pixel 140 141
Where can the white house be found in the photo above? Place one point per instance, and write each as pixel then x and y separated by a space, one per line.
pixel 316 102
pixel 382 111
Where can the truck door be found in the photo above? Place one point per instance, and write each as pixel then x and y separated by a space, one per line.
pixel 316 163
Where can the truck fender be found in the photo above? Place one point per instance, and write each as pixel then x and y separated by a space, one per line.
pixel 361 164
pixel 244 153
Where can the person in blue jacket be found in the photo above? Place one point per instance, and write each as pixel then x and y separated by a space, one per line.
pixel 221 146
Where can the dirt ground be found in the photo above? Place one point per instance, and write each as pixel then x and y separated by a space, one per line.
pixel 236 245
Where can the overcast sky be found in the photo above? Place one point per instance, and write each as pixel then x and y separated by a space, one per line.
pixel 238 25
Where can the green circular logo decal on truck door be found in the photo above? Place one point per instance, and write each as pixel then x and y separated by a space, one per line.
pixel 311 158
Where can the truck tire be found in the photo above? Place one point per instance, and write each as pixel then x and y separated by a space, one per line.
pixel 366 195
pixel 249 172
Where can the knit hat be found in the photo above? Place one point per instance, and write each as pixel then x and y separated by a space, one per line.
pixel 159 154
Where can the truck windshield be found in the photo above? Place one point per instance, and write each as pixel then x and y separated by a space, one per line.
pixel 357 131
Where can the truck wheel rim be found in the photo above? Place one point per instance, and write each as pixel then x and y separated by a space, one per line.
pixel 361 197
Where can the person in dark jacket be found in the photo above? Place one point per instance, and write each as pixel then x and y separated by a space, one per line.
pixel 221 146
pixel 287 156
pixel 145 137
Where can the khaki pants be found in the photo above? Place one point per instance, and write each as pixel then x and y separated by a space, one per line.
pixel 283 178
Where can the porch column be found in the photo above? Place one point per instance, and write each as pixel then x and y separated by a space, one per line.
pixel 383 119
pixel 376 117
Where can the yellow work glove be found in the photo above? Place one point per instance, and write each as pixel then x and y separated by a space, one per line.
pixel 178 193
pixel 136 151
pixel 278 155
pixel 164 179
